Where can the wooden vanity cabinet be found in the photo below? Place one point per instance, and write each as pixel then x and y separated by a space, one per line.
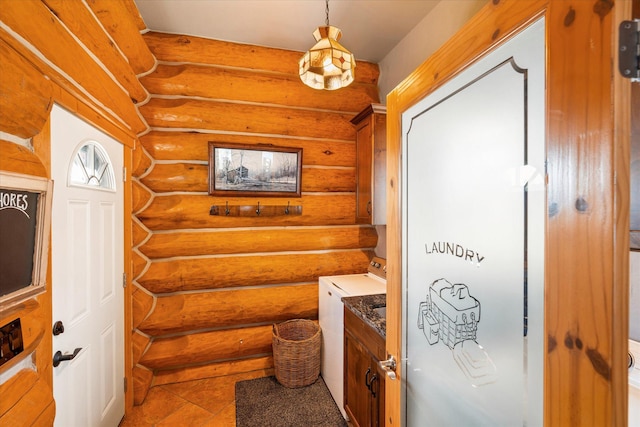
pixel 371 157
pixel 364 379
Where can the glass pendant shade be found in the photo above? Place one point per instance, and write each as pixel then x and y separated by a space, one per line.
pixel 327 65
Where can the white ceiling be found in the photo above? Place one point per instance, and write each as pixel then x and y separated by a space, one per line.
pixel 370 28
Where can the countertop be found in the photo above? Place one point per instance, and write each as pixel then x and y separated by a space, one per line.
pixel 362 306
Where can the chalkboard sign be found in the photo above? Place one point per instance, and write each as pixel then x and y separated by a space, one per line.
pixel 25 211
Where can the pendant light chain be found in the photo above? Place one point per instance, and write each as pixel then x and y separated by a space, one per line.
pixel 327 12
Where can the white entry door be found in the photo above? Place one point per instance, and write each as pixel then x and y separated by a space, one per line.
pixel 87 269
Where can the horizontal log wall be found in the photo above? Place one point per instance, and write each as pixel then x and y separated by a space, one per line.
pixel 208 288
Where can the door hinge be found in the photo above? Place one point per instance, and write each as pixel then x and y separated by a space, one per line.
pixel 629 49
pixel 125 384
pixel 124 174
pixel 124 280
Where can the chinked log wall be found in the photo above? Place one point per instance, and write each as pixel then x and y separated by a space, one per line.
pixel 208 288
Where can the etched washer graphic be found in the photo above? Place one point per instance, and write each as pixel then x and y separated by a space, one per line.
pixel 451 314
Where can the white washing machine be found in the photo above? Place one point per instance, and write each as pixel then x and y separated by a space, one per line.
pixel 634 383
pixel 331 290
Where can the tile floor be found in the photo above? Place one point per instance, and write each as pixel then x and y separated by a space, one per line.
pixel 201 403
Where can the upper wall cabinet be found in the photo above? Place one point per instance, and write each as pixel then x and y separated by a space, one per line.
pixel 371 151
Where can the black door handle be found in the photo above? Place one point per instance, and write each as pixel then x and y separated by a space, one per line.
pixel 374 379
pixel 366 379
pixel 59 357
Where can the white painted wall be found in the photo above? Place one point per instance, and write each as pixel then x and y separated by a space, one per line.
pixel 431 33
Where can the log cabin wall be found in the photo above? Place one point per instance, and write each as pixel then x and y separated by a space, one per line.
pixel 239 275
pixel 84 56
pixel 207 289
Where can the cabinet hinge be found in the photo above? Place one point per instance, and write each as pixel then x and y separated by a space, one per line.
pixel 124 280
pixel 629 49
pixel 124 174
pixel 125 384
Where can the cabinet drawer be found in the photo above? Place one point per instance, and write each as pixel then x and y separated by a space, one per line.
pixel 365 334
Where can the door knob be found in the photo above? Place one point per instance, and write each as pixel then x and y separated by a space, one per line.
pixel 389 366
pixel 59 357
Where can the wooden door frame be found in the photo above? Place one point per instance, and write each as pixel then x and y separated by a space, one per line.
pixel 587 229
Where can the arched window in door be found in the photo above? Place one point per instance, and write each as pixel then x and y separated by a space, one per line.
pixel 91 167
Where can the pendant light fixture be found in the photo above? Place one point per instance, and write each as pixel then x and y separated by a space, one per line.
pixel 327 65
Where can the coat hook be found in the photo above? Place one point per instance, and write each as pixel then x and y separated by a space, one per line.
pixel 258 210
pixel 286 210
pixel 226 208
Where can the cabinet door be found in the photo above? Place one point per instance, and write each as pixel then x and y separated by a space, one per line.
pixel 364 166
pixel 358 373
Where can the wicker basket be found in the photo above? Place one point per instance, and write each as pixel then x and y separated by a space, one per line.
pixel 296 352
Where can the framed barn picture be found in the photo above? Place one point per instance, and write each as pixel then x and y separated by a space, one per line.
pixel 254 170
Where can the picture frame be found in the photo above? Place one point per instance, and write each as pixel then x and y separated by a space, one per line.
pixel 25 223
pixel 254 170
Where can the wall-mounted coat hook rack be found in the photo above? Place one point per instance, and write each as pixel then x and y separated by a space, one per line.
pixel 255 210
